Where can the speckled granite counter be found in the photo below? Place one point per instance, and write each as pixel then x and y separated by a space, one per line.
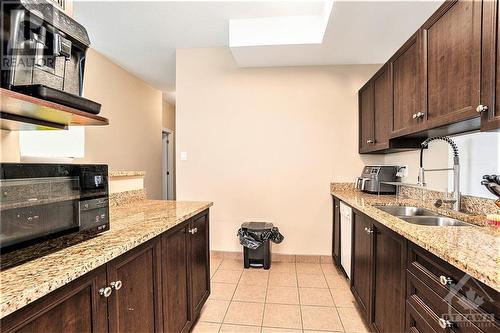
pixel 126 173
pixel 475 249
pixel 130 226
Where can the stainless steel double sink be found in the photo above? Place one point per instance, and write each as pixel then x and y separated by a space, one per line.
pixel 421 216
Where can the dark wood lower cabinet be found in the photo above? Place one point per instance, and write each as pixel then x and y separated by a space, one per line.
pixel 200 261
pixel 362 262
pixel 175 264
pixel 389 280
pixel 135 307
pixel 159 286
pixel 400 287
pixel 336 231
pixel 76 307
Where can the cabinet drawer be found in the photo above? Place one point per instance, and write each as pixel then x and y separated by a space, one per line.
pixel 470 298
pixel 436 307
pixel 415 323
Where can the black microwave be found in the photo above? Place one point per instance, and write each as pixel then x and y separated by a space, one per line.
pixel 44 201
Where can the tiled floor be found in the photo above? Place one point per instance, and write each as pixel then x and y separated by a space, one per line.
pixel 290 297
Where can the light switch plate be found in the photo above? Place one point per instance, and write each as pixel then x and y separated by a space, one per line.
pixel 184 156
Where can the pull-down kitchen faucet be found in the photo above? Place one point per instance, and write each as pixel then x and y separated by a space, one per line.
pixel 456 171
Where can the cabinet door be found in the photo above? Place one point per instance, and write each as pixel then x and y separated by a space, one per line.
pixel 76 307
pixel 490 80
pixel 389 281
pixel 382 87
pixel 135 307
pixel 362 260
pixel 336 231
pixel 366 118
pixel 200 261
pixel 175 277
pixel 406 88
pixel 452 40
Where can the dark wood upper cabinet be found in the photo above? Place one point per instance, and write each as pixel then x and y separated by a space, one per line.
pixel 382 94
pixel 452 62
pixel 407 88
pixel 175 275
pixel 490 83
pixel 134 307
pixel 77 307
pixel 362 261
pixel 366 118
pixel 200 261
pixel 389 280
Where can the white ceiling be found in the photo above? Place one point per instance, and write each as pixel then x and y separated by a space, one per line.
pixel 142 36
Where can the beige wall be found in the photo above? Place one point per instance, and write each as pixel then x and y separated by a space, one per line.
pixel 132 141
pixel 168 118
pixel 265 143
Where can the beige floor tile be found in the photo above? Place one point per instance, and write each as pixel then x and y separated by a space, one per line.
pixel 212 272
pixel 279 330
pixel 330 269
pixel 311 331
pixel 282 258
pixel 307 259
pixel 311 281
pixel 243 313
pixel 228 328
pixel 206 327
pixel 231 265
pixel 222 291
pixel 352 320
pixel 343 298
pixel 321 318
pixel 282 279
pixel 308 268
pixel 246 293
pixel 282 295
pixel 336 282
pixel 282 316
pixel 315 296
pixel 215 262
pixel 226 276
pixel 254 277
pixel 214 311
pixel 283 267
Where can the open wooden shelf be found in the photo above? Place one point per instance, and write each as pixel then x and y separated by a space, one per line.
pixel 21 112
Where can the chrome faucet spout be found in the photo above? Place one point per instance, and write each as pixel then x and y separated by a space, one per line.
pixel 455 169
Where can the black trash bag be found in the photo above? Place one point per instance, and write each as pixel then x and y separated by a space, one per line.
pixel 254 239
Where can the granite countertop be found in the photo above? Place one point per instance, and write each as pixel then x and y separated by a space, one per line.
pixel 130 225
pixel 474 250
pixel 126 173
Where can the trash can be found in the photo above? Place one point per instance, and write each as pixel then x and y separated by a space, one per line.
pixel 255 238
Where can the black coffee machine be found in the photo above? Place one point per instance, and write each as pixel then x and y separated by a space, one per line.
pixel 43 53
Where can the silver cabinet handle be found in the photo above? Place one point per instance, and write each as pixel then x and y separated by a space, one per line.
pixel 420 114
pixel 106 291
pixel 116 285
pixel 193 231
pixel 369 231
pixel 445 281
pixel 414 116
pixel 481 108
pixel 443 323
pixel 370 141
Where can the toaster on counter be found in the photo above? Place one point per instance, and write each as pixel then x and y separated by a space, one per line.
pixel 372 175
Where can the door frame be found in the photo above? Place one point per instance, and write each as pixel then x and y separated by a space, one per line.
pixel 168 189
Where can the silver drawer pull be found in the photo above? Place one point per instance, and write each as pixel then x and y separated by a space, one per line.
pixel 445 281
pixel 193 231
pixel 443 323
pixel 481 108
pixel 106 291
pixel 116 285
